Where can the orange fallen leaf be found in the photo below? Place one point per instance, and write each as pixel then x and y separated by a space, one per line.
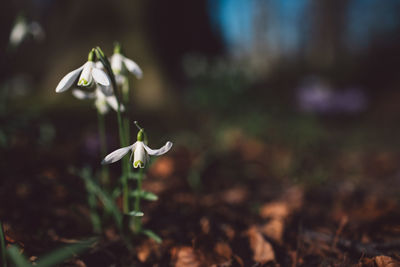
pixel 386 261
pixel 235 195
pixel 205 225
pixel 163 167
pixel 274 229
pixel 274 210
pixel 223 250
pixel 262 249
pixel 187 257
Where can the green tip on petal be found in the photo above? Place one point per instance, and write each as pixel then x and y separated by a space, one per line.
pixel 117 48
pixel 138 163
pixel 91 55
pixel 141 135
pixel 83 82
pixel 99 51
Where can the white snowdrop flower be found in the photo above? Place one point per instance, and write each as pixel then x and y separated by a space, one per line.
pixel 22 29
pixel 121 65
pixel 87 73
pixel 19 32
pixel 102 102
pixel 139 150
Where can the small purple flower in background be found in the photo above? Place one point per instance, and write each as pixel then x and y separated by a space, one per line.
pixel 317 96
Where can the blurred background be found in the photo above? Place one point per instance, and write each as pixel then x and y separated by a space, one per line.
pixel 257 95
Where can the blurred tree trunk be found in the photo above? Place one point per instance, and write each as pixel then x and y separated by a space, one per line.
pixel 328 29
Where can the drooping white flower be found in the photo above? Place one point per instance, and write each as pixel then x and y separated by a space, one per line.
pixel 121 65
pixel 102 101
pixel 139 150
pixel 23 29
pixel 87 73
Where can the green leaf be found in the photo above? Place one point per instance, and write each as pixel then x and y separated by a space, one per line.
pixel 105 199
pixel 135 213
pixel 145 195
pixel 152 235
pixel 62 254
pixel 17 258
pixel 116 193
pixel 2 246
pixel 134 176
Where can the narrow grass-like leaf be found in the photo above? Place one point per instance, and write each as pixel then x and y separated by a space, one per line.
pixel 2 246
pixel 145 195
pixel 92 201
pixel 134 176
pixel 94 216
pixel 60 255
pixel 109 205
pixel 152 235
pixel 105 199
pixel 135 213
pixel 17 258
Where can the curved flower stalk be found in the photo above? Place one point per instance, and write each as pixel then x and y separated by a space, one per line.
pixel 102 102
pixel 139 150
pixel 122 65
pixel 87 73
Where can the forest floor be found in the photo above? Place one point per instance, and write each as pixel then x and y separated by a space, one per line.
pixel 245 205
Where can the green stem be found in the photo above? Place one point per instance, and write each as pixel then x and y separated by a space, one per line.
pixel 2 246
pixel 125 100
pixel 105 177
pixel 138 221
pixel 125 165
pixel 125 162
pixel 94 216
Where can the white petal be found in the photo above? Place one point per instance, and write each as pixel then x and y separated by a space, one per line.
pixel 68 80
pixel 116 63
pixel 37 31
pixel 120 79
pixel 133 67
pixel 139 159
pixel 112 102
pixel 82 94
pixel 18 33
pixel 101 77
pixel 117 154
pixel 158 152
pixel 107 90
pixel 101 105
pixel 86 76
pixel 99 65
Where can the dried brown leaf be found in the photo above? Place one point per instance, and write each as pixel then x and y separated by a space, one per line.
pixel 274 229
pixel 205 225
pixel 235 195
pixel 78 263
pixel 262 249
pixel 148 248
pixel 187 257
pixel 386 261
pixel 229 231
pixel 277 209
pixel 163 167
pixel 223 250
